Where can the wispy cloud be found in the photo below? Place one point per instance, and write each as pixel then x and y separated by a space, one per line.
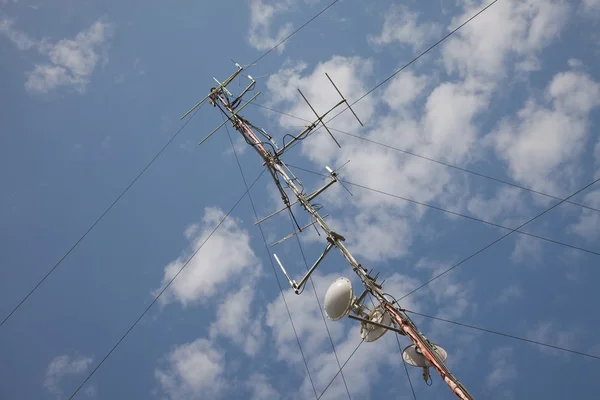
pixel 509 293
pixel 591 6
pixel 528 251
pixel 401 26
pixel 503 370
pixel 588 225
pixel 262 14
pixel 71 62
pixel 64 366
pixel 19 39
pixel 236 321
pixel 261 388
pixel 550 332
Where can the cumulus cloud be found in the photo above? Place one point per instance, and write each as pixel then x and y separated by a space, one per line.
pixel 64 366
pixel 542 145
pixel 191 370
pixel 262 14
pixel 226 256
pixel 71 62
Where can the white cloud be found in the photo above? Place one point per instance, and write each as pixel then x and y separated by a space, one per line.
pixel 19 39
pixel 261 388
pixel 591 5
pixel 504 370
pixel 235 321
pixel 511 292
pixel 61 367
pixel 451 295
pixel 404 89
pixel 588 225
pixel 521 28
pixel 575 63
pixel 506 201
pixel 400 25
pixel 262 13
pixel 191 370
pixel 71 61
pixel 227 255
pixel 528 250
pixel 549 333
pixel 543 143
pixel 597 153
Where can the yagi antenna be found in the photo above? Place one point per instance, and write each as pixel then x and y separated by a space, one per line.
pixel 344 99
pixel 320 119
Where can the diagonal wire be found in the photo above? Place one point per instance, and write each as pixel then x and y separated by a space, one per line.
pixel 410 153
pixel 405 368
pixel 271 260
pixel 144 170
pixel 505 335
pixel 296 31
pixel 165 288
pixel 322 313
pixel 497 240
pixel 341 368
pixel 98 219
pixel 454 213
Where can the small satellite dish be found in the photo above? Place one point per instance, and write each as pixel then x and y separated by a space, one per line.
pixel 413 356
pixel 370 332
pixel 338 299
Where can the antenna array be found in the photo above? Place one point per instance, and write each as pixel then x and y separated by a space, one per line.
pixel 340 300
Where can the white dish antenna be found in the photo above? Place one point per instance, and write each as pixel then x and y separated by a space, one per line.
pixel 413 356
pixel 370 332
pixel 338 299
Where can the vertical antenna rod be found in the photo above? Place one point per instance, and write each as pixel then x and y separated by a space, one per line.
pixel 270 154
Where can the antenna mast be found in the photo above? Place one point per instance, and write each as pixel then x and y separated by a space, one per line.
pixel 339 299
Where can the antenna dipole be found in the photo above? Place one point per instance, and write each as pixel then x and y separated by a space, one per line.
pixel 422 353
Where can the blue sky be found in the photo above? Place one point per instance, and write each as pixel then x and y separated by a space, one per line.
pixel 92 91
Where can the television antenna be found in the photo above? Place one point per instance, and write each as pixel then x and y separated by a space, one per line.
pixel 340 300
